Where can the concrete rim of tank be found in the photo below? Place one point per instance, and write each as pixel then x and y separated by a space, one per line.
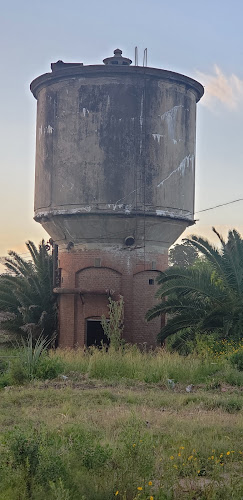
pixel 100 70
pixel 43 214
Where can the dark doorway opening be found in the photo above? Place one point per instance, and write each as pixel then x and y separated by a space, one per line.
pixel 95 334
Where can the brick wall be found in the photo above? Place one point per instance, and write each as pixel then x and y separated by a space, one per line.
pixel 144 289
pixel 121 272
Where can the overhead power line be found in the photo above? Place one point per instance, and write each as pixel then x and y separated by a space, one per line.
pixel 2 258
pixel 218 206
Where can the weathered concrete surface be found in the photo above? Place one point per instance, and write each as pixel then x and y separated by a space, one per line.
pixel 115 141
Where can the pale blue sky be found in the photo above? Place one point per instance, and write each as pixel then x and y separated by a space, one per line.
pixel 200 39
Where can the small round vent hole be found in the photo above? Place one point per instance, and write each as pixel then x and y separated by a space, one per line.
pixel 129 241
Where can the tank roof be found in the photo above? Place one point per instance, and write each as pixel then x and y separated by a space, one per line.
pixel 116 65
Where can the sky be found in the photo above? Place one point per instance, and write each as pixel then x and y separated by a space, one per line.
pixel 202 40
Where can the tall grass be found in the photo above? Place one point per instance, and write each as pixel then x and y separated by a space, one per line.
pixel 127 363
pixel 150 367
pixel 31 353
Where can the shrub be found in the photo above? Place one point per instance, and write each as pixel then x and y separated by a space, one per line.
pixel 114 327
pixel 3 366
pixel 37 457
pixel 51 466
pixel 18 374
pixel 24 449
pixel 31 353
pixel 4 372
pixel 92 453
pixel 4 380
pixel 232 406
pixel 233 377
pixel 59 491
pixel 96 456
pixel 48 367
pixel 237 360
pixel 135 453
pixel 24 455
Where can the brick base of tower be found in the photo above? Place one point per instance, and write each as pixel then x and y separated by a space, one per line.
pixel 89 277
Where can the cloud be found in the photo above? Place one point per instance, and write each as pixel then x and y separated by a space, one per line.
pixel 228 90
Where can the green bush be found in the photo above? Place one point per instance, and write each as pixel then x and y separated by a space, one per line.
pixel 96 456
pixel 45 368
pixel 237 360
pixel 59 491
pixel 3 366
pixel 51 466
pixel 48 367
pixel 24 449
pixel 36 456
pixel 18 374
pixel 4 373
pixel 93 454
pixel 4 380
pixel 232 406
pixel 31 353
pixel 233 377
pixel 135 453
pixel 33 362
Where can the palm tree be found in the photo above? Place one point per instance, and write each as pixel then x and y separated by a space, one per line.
pixel 26 292
pixel 207 296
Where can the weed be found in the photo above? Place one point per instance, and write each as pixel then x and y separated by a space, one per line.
pixel 18 373
pixel 114 326
pixel 48 367
pixel 4 380
pixel 24 453
pixel 233 405
pixel 237 360
pixel 233 377
pixel 93 454
pixel 59 492
pixel 3 366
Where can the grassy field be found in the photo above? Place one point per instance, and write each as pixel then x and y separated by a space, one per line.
pixel 122 425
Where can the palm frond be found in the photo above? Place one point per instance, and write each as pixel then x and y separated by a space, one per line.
pixel 207 296
pixel 175 325
pixel 27 290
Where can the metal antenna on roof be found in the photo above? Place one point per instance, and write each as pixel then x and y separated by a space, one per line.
pixel 145 57
pixel 136 56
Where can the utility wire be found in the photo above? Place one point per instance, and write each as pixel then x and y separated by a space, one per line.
pixel 217 206
pixel 187 213
pixel 173 208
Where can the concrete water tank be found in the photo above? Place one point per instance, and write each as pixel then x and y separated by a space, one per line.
pixel 115 163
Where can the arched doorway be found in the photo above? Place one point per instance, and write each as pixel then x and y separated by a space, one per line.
pixel 95 335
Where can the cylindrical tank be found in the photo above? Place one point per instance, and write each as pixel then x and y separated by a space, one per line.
pixel 115 143
pixel 115 155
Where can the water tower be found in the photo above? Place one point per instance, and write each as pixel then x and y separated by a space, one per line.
pixel 115 157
